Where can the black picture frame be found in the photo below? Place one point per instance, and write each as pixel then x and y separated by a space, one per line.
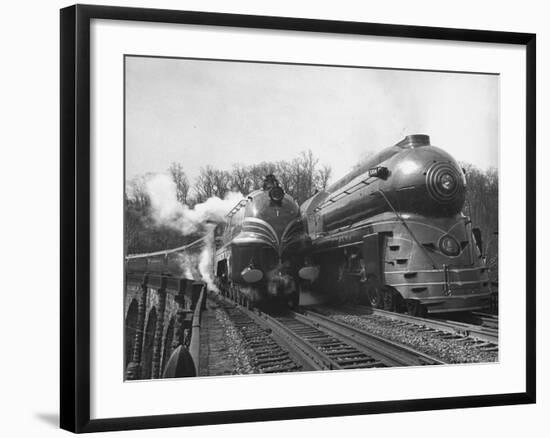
pixel 75 216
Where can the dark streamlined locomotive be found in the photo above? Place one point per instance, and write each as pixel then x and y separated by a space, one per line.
pixel 392 233
pixel 261 248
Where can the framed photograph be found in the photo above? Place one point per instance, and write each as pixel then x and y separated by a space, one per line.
pixel 268 218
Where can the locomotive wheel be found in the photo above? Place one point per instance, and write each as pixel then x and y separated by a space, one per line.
pixel 390 300
pixel 352 288
pixel 393 301
pixel 375 297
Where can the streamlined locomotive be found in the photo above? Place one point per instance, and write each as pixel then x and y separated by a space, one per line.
pixel 261 248
pixel 392 233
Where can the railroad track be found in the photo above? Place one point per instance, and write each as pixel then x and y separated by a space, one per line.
pixel 310 341
pixel 487 319
pixel 268 353
pixel 485 336
pixel 346 346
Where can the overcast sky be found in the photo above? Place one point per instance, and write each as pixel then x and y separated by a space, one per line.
pixel 220 113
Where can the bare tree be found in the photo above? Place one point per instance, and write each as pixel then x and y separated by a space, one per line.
pixel 300 176
pixel 204 184
pixel 259 171
pixel 482 207
pixel 132 224
pixel 180 180
pixel 137 192
pixel 286 177
pixel 240 179
pixel 323 176
pixel 222 183
pixel 307 166
pixel 211 182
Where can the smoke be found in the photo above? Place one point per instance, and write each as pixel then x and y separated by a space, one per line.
pixel 251 292
pixel 166 210
pixel 189 264
pixel 206 260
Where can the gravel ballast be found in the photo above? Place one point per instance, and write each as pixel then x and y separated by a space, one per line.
pixel 236 347
pixel 446 347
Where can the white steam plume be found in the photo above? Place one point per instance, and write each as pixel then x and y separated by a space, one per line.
pixel 206 261
pixel 167 210
pixel 202 218
pixel 189 264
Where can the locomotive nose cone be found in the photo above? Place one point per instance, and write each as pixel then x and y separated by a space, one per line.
pixel 442 181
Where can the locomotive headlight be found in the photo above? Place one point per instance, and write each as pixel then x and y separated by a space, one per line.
pixel 251 275
pixel 449 246
pixel 309 273
pixel 277 194
pixel 447 182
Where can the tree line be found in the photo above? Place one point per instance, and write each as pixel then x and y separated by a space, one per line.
pixel 482 207
pixel 300 177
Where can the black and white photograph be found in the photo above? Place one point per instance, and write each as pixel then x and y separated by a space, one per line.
pixel 275 219
pixel 283 218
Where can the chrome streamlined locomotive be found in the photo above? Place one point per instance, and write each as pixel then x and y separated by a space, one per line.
pixel 392 233
pixel 261 248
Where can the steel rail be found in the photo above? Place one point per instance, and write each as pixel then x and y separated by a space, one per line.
pixel 481 333
pixel 374 351
pixel 301 353
pixel 389 352
pixel 320 343
pixel 488 320
pixel 308 351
